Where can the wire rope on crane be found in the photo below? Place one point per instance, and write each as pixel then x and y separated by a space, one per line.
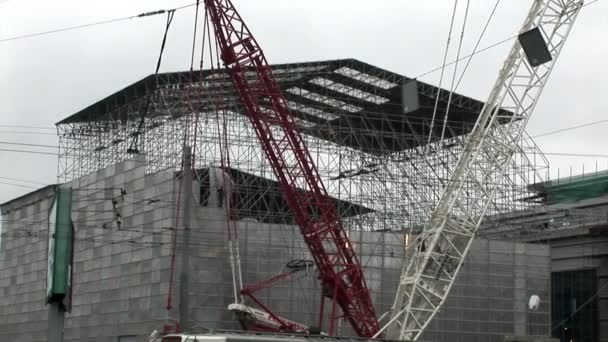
pixel 483 32
pixel 445 57
pixel 225 165
pixel 452 88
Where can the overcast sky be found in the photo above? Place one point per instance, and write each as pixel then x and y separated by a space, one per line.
pixel 44 79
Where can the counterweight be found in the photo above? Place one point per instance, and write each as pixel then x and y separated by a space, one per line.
pixel 440 249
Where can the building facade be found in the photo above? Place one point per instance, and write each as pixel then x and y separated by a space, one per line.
pixel 125 222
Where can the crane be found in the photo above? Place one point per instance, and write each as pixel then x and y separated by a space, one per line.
pixel 438 254
pixel 264 105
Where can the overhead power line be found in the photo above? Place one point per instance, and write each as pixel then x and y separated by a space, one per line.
pixel 20 185
pixel 34 127
pixel 27 151
pixel 570 128
pixel 103 22
pixel 589 155
pixel 27 132
pixel 26 144
pixel 24 180
pixel 475 52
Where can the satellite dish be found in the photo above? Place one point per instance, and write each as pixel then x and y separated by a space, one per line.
pixel 534 302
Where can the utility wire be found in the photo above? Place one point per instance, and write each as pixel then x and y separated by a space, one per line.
pixel 569 128
pixel 26 132
pixel 469 56
pixel 133 146
pixel 26 151
pixel 545 153
pixel 19 185
pixel 24 180
pixel 103 22
pixel 23 126
pixel 590 155
pixel 193 4
pixel 25 144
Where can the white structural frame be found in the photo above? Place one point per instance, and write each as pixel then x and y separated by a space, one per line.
pixel 438 254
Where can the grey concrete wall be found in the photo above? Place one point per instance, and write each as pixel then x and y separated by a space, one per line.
pixel 121 272
pixel 488 300
pixel 120 281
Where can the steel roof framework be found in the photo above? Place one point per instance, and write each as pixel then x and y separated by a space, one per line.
pixel 368 152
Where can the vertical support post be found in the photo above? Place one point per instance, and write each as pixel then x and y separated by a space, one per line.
pixel 55 322
pixel 332 318
pixel 185 252
pixel 322 307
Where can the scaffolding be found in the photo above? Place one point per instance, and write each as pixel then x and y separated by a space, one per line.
pixel 373 157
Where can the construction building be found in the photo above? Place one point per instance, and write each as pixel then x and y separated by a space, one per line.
pixel 122 156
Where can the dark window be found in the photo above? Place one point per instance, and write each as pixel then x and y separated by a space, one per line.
pixel 574 306
pixel 127 338
pixel 172 339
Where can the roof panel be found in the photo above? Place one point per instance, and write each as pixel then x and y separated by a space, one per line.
pixel 358 103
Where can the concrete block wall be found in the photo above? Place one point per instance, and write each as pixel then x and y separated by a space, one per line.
pixel 491 294
pixel 121 261
pixel 121 271
pixel 488 300
pixel 23 268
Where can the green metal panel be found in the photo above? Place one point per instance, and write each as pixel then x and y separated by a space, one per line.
pixel 576 189
pixel 60 246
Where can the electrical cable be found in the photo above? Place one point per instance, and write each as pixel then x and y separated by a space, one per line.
pixel 589 155
pixel 103 22
pixel 24 144
pixel 133 146
pixel 26 132
pixel 569 128
pixel 24 180
pixel 19 185
pixel 414 119
pixel 32 127
pixel 194 36
pixel 26 151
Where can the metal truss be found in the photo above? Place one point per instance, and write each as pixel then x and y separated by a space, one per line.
pixel 478 175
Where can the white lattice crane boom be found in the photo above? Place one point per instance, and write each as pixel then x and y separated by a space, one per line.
pixel 440 249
